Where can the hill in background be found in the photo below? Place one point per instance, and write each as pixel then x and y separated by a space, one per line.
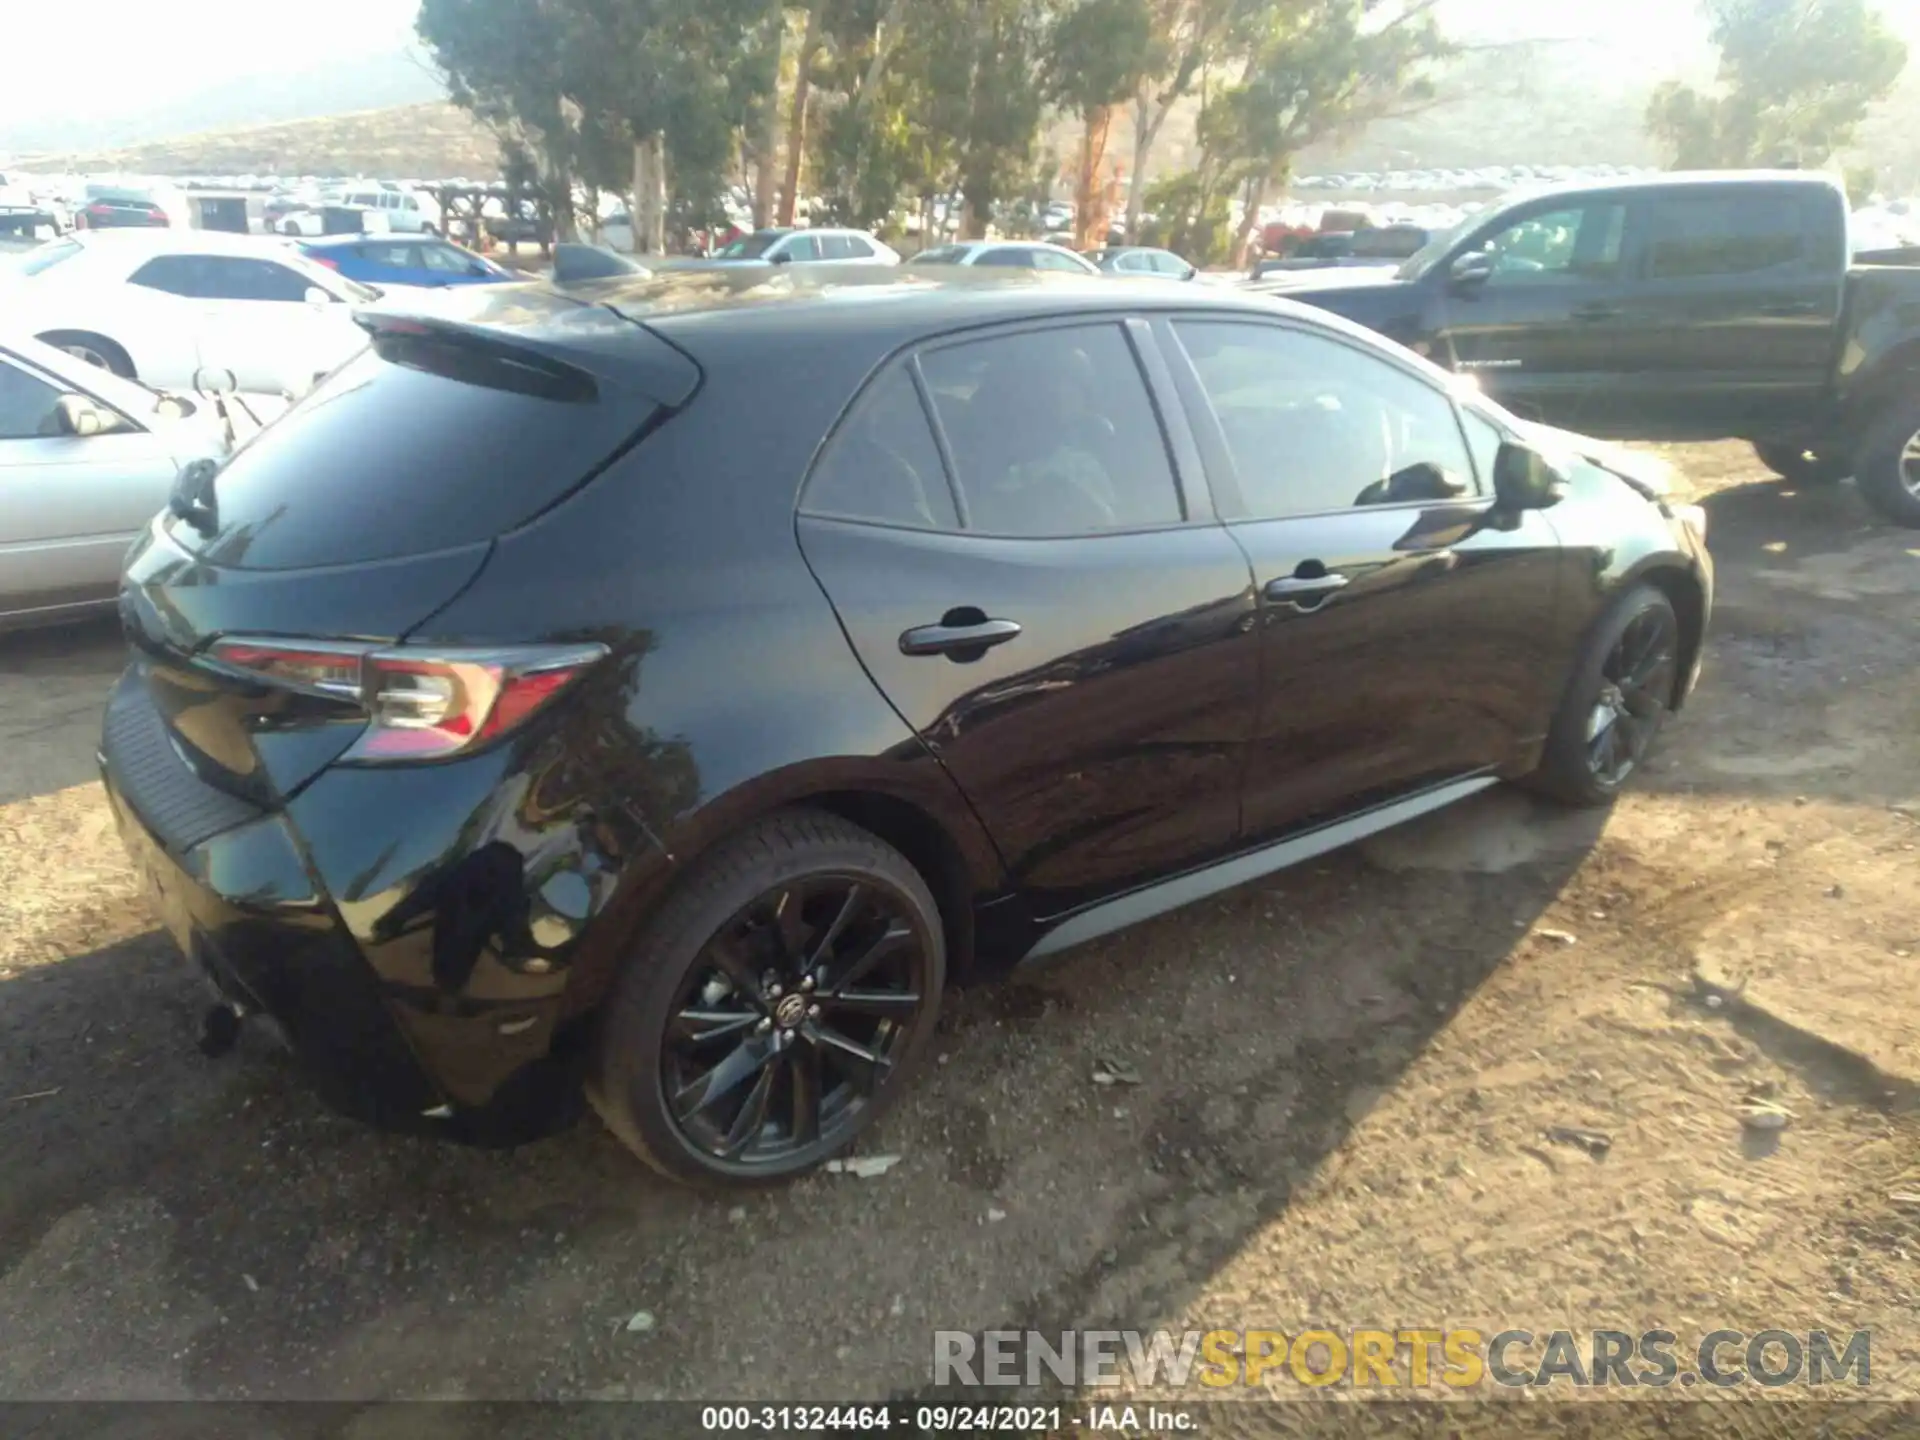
pixel 1570 103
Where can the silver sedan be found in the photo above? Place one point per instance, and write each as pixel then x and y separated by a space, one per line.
pixel 86 460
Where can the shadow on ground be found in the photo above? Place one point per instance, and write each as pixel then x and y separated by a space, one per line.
pixel 213 1231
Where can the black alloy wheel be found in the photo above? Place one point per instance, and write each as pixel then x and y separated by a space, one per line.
pixel 1637 679
pixel 1621 689
pixel 774 1005
pixel 792 1019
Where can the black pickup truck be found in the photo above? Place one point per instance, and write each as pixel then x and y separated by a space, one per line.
pixel 1728 305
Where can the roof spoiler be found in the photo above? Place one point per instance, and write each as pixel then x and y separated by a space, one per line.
pixel 540 341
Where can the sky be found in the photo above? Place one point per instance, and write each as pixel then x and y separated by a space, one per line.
pixel 133 54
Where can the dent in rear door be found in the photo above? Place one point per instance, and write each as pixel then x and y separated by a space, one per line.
pixel 1091 692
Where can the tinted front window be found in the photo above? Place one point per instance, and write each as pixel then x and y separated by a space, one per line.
pixel 447 260
pixel 413 446
pixel 835 247
pixel 1053 432
pixel 1582 243
pixel 751 247
pixel 26 405
pixel 398 257
pixel 1315 425
pixel 803 247
pixel 1740 233
pixel 1005 255
pixel 173 274
pixel 227 277
pixel 882 465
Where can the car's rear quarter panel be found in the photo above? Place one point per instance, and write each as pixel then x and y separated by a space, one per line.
pixel 732 689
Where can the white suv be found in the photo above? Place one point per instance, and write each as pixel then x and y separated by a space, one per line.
pixel 817 246
pixel 404 209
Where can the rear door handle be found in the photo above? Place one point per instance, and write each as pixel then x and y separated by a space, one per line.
pixel 1297 587
pixel 1597 312
pixel 947 639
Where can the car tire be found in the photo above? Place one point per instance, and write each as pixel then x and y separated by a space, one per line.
pixel 94 349
pixel 749 967
pixel 1619 695
pixel 1887 464
pixel 1799 465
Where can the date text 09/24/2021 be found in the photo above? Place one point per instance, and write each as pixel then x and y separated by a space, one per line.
pixel 911 1419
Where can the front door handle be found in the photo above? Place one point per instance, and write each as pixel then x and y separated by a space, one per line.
pixel 1297 587
pixel 1597 312
pixel 952 639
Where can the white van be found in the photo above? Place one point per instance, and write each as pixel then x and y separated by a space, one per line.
pixel 404 209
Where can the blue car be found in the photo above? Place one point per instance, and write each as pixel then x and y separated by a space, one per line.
pixel 405 260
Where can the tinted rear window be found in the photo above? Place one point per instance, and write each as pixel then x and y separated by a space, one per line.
pixel 421 445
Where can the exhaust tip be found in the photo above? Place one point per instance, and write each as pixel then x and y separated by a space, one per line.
pixel 219 1031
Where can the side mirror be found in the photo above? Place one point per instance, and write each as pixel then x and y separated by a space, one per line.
pixel 780 257
pixel 1524 479
pixel 317 296
pixel 1471 270
pixel 77 415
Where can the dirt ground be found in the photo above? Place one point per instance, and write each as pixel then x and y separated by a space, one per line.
pixel 1347 1076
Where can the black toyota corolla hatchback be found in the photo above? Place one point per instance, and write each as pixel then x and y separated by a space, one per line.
pixel 658 694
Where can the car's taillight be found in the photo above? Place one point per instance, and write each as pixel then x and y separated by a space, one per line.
pixel 421 704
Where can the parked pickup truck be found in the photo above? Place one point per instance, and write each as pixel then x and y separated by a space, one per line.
pixel 1686 307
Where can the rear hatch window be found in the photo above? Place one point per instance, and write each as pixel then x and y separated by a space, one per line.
pixel 426 441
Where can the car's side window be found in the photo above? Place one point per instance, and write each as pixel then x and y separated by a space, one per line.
pixel 1739 233
pixel 882 465
pixel 228 277
pixel 399 257
pixel 857 247
pixel 1315 425
pixel 1050 260
pixel 1052 433
pixel 445 259
pixel 172 275
pixel 1006 255
pixel 803 247
pixel 26 405
pixel 1582 243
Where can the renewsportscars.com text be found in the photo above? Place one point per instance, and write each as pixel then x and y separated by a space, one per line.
pixel 1411 1358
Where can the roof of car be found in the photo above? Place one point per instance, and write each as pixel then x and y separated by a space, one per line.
pixel 1677 180
pixel 335 242
pixel 160 240
pixel 876 307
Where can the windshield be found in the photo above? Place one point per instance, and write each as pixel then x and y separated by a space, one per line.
pixel 751 247
pixel 1431 253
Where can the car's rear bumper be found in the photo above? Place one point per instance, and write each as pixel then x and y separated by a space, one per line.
pixel 236 889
